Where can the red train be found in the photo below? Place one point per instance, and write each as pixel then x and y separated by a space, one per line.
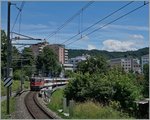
pixel 36 83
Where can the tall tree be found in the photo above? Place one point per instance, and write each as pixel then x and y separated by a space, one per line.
pixel 28 62
pixel 146 80
pixel 92 65
pixel 3 48
pixel 47 62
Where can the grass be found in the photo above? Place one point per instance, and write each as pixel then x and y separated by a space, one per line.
pixel 86 110
pixel 90 110
pixel 3 108
pixel 56 100
pixel 15 86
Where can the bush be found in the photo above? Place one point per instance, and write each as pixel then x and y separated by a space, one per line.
pixel 115 85
pixel 18 74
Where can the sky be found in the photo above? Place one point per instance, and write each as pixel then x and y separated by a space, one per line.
pixel 40 19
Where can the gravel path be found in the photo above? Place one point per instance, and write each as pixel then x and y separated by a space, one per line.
pixel 21 111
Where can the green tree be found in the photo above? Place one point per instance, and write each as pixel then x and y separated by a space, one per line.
pixel 115 85
pixel 28 62
pixel 47 62
pixel 15 53
pixel 3 49
pixel 93 65
pixel 28 54
pixel 146 80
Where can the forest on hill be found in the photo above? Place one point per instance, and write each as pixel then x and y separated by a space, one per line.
pixel 108 55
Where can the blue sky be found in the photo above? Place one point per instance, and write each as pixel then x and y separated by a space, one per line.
pixel 39 19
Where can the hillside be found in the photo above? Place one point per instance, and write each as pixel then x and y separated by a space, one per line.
pixel 108 55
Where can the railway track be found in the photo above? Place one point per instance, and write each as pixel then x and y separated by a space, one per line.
pixel 35 108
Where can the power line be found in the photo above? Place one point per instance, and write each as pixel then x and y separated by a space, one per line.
pixel 99 21
pixel 110 22
pixel 70 19
pixel 20 10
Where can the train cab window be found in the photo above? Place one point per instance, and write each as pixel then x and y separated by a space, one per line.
pixel 32 80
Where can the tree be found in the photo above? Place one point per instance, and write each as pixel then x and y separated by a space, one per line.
pixel 28 54
pixel 28 61
pixel 93 65
pixel 146 80
pixel 115 85
pixel 47 62
pixel 3 49
pixel 15 53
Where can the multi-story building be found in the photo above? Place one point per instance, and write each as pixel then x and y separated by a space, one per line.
pixel 77 59
pixel 66 56
pixel 59 49
pixel 37 48
pixel 60 52
pixel 136 67
pixel 127 64
pixel 144 60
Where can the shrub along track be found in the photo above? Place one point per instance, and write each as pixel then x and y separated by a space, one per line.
pixel 35 108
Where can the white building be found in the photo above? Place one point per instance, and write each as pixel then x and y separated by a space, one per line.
pixel 68 66
pixel 127 64
pixel 144 60
pixel 78 59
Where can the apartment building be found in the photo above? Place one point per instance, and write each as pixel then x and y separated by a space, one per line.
pixel 37 48
pixel 127 64
pixel 144 60
pixel 59 49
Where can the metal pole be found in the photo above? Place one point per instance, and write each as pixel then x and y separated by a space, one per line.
pixel 8 52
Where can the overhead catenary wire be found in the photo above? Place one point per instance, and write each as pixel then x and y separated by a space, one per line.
pixel 70 19
pixel 19 12
pixel 109 23
pixel 99 21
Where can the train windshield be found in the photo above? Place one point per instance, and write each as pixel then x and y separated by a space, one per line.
pixel 35 80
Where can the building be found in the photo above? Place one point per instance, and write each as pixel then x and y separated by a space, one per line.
pixel 144 60
pixel 66 56
pixel 60 52
pixel 59 49
pixel 78 59
pixel 128 64
pixel 68 66
pixel 37 48
pixel 135 65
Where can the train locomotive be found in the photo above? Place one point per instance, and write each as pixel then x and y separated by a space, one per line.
pixel 36 83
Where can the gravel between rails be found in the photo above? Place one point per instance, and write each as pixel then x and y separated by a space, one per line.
pixel 35 108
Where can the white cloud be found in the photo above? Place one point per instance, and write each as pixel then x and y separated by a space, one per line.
pixel 137 36
pixel 116 45
pixel 90 47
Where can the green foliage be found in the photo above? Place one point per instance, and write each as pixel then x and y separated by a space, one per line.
pixel 18 74
pixel 115 85
pixel 69 73
pixel 146 80
pixel 15 86
pixel 91 110
pixel 93 65
pixel 3 48
pixel 3 108
pixel 28 54
pixel 47 62
pixel 56 100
